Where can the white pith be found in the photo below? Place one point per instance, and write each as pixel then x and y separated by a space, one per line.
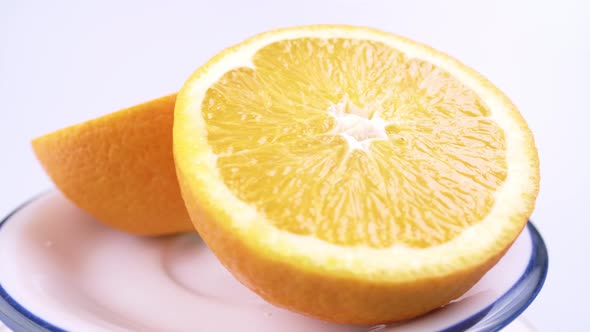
pixel 356 125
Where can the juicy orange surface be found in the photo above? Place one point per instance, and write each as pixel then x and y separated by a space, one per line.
pixel 355 143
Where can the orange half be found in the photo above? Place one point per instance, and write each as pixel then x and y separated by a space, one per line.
pixel 351 174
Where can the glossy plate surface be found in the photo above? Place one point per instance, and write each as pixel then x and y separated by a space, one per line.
pixel 60 270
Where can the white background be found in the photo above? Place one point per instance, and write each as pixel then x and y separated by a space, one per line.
pixel 66 62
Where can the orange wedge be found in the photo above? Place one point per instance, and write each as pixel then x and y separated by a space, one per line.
pixel 120 169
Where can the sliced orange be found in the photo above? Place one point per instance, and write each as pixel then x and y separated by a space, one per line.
pixel 120 169
pixel 351 174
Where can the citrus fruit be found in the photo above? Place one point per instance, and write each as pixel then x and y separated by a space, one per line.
pixel 120 169
pixel 350 174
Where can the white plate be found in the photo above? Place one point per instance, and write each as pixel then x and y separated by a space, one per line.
pixel 62 270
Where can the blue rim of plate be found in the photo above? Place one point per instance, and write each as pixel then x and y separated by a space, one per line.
pixel 490 319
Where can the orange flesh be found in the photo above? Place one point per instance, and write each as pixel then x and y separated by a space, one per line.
pixel 315 122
